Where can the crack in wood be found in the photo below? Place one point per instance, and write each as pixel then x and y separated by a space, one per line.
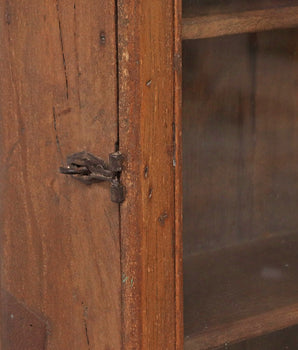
pixel 77 53
pixel 7 12
pixel 86 332
pixel 85 317
pixel 10 154
pixel 56 135
pixel 62 49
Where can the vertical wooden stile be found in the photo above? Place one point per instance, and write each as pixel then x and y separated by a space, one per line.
pixel 149 128
pixel 60 254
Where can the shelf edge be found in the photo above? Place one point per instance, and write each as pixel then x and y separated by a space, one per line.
pixel 247 328
pixel 237 23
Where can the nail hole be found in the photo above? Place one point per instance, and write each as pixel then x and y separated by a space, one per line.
pixel 102 38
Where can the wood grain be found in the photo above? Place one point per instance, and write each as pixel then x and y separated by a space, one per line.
pixel 195 8
pixel 240 292
pixel 59 238
pixel 240 22
pixel 146 119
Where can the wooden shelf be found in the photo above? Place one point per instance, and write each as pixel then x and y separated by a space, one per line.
pixel 240 292
pixel 207 19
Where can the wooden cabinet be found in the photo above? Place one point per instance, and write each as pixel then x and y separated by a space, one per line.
pixel 240 118
pixel 200 97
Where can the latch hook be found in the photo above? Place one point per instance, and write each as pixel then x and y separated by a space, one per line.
pixel 87 168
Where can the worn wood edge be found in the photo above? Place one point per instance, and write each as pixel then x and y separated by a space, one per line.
pixel 54 32
pixel 135 323
pixel 129 105
pixel 238 23
pixel 178 173
pixel 247 328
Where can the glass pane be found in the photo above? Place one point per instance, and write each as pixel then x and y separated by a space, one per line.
pixel 240 178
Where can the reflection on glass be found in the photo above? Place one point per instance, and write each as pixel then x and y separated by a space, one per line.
pixel 240 178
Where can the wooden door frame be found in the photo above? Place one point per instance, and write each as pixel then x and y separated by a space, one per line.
pixel 149 73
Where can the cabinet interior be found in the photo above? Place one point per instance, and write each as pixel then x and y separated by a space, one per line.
pixel 240 180
pixel 193 8
pixel 285 339
pixel 210 18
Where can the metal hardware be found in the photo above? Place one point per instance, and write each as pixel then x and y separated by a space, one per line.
pixel 87 168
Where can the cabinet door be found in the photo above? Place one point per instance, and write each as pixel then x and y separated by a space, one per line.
pixel 60 259
pixel 240 174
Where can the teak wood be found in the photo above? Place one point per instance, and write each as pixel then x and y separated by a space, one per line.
pixel 61 241
pixel 148 126
pixel 98 77
pixel 60 253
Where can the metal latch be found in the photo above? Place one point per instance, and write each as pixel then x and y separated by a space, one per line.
pixel 87 168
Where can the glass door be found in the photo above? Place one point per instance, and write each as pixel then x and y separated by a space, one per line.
pixel 240 173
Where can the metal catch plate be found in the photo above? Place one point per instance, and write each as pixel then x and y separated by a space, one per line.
pixel 89 169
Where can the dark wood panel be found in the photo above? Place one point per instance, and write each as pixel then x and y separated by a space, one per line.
pixel 240 292
pixel 59 238
pixel 21 328
pixel 240 138
pixel 146 119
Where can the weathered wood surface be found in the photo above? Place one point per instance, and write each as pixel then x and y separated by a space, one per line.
pixel 178 174
pixel 59 238
pixel 147 124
